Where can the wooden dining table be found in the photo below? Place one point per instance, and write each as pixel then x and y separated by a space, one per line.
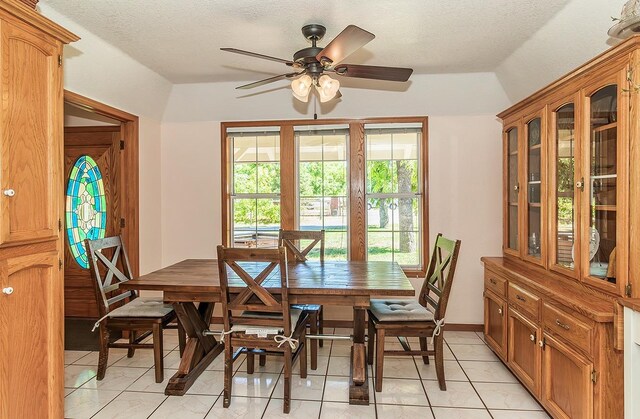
pixel 193 287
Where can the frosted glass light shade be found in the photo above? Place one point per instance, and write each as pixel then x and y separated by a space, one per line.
pixel 301 87
pixel 327 87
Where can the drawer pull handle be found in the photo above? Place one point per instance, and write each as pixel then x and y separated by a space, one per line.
pixel 564 326
pixel 532 338
pixel 493 281
pixel 521 298
pixel 500 311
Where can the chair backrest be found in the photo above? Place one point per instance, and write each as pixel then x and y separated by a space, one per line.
pixel 106 274
pixel 253 296
pixel 436 288
pixel 290 239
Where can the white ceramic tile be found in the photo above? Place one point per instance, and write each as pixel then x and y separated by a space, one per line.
pixel 341 348
pixel 131 405
pixel 147 381
pixel 336 389
pixel 339 365
pixel 72 356
pixel 333 410
pixel 391 411
pixel 341 331
pixel 240 407
pixel 520 414
pixel 273 365
pixel 218 363
pixel 506 396
pixel 254 385
pixel 309 388
pixel 448 355
pixel 403 367
pixel 77 375
pixel 473 352
pixel 323 363
pixel 458 394
pixel 115 354
pixel 452 370
pixel 184 407
pixel 68 391
pixel 298 409
pixel 397 391
pixel 116 378
pixel 84 403
pixel 465 338
pixel 172 360
pixel 493 372
pixel 143 358
pixel 208 383
pixel 460 413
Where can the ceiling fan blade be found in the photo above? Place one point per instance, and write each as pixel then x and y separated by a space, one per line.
pixel 346 43
pixel 373 72
pixel 254 54
pixel 267 81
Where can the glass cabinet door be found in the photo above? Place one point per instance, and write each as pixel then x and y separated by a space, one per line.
pixel 534 188
pixel 599 245
pixel 513 188
pixel 564 205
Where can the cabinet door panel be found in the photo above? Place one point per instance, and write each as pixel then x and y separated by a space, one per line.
pixel 31 341
pixel 512 190
pixel 523 350
pixel 567 389
pixel 535 201
pixel 30 141
pixel 495 324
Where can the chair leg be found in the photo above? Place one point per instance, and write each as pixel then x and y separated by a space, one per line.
pixel 371 341
pixel 321 325
pixel 287 379
pixel 379 359
pixel 313 327
pixel 228 372
pixel 303 355
pixel 182 338
pixel 103 357
pixel 250 361
pixel 439 355
pixel 262 360
pixel 132 338
pixel 157 352
pixel 424 348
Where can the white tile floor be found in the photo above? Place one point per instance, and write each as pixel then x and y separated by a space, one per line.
pixel 478 386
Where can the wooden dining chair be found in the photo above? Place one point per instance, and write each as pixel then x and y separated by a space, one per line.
pixel 264 323
pixel 410 318
pixel 292 241
pixel 126 311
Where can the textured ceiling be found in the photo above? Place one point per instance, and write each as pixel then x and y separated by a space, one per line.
pixel 180 39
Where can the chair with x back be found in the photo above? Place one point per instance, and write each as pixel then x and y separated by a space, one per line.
pixel 140 316
pixel 293 240
pixel 254 285
pixel 410 318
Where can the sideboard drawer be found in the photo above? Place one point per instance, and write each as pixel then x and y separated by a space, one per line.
pixel 525 300
pixel 562 324
pixel 495 283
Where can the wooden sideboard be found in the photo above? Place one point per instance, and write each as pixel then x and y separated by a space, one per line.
pixel 571 205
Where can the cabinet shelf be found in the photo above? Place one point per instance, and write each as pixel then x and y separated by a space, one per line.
pixel 535 147
pixel 605 208
pixel 605 127
pixel 535 204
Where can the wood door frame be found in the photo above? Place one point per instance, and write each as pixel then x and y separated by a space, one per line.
pixel 130 209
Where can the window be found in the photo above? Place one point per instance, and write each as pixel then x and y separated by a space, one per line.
pixel 393 194
pixel 362 181
pixel 322 186
pixel 255 199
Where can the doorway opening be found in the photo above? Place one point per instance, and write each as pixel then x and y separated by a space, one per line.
pixel 101 184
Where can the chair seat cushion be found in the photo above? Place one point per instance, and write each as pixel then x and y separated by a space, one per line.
pixel 308 307
pixel 143 307
pixel 295 314
pixel 399 310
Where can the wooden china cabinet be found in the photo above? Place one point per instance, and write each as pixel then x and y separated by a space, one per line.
pixel 31 297
pixel 571 206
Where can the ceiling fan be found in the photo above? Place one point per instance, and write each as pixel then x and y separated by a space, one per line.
pixel 313 62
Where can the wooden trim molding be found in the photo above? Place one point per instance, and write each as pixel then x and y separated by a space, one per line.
pixel 130 166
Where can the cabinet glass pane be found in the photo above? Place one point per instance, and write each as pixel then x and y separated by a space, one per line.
pixel 512 185
pixel 602 183
pixel 565 199
pixel 534 215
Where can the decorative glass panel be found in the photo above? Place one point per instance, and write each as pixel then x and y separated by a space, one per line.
pixel 514 186
pixel 86 207
pixel 565 199
pixel 603 169
pixel 534 184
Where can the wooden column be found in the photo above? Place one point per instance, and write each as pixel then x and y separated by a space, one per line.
pixel 357 192
pixel 288 178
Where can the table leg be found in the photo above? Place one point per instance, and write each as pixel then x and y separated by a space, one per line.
pixel 199 351
pixel 358 379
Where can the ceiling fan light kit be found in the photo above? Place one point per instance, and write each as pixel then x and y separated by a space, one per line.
pixel 312 62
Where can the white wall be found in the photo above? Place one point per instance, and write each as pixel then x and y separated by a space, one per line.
pixel 464 158
pixel 95 69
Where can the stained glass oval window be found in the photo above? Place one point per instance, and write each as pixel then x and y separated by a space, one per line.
pixel 86 210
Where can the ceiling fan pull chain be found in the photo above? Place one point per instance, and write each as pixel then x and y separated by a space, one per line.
pixel 315 102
